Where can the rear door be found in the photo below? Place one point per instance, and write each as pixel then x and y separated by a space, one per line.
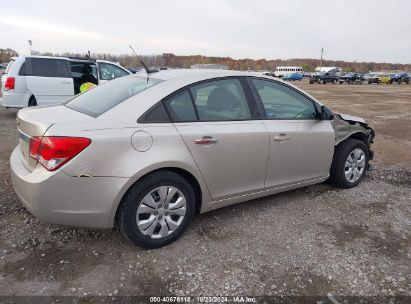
pixel 301 145
pixel 224 134
pixel 49 80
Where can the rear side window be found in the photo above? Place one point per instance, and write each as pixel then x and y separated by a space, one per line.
pixel 180 107
pixel 22 71
pixel 221 100
pixel 49 68
pixel 100 99
pixel 156 114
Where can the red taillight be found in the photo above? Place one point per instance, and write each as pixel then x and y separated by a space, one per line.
pixel 9 83
pixel 54 151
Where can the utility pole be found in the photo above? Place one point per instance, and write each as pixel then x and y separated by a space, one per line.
pixel 30 43
pixel 321 60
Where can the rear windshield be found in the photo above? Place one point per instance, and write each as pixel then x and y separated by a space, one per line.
pixel 9 66
pixel 104 97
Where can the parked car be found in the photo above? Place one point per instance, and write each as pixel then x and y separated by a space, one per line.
pixel 43 80
pixel 379 78
pixel 368 76
pixel 145 154
pixel 293 76
pixel 400 78
pixel 133 70
pixel 324 77
pixel 351 78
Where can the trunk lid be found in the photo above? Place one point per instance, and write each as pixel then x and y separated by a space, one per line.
pixel 36 121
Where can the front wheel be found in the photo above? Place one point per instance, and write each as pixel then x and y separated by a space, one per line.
pixel 157 210
pixel 349 163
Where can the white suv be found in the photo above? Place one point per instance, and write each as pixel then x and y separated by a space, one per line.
pixel 43 80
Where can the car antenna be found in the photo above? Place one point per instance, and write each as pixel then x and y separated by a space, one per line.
pixel 148 71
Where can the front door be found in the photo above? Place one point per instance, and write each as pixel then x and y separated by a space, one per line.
pixel 301 145
pixel 108 71
pixel 227 142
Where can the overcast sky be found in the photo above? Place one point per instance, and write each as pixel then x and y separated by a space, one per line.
pixel 361 30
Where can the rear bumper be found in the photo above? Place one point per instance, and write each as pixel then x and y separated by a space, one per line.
pixel 57 198
pixel 13 100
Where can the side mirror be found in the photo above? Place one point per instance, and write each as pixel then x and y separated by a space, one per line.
pixel 326 113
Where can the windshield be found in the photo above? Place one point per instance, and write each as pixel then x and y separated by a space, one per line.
pixel 104 97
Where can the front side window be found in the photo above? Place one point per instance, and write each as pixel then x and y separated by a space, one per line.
pixel 109 71
pixel 281 102
pixel 49 68
pixel 220 100
pixel 100 99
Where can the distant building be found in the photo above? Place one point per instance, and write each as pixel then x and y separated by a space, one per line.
pixel 209 66
pixel 328 69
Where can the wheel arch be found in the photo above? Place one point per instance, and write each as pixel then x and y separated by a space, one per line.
pixel 355 134
pixel 199 190
pixel 30 96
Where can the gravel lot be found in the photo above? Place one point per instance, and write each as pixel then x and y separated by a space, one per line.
pixel 310 241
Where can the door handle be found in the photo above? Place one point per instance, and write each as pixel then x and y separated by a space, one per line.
pixel 282 137
pixel 206 140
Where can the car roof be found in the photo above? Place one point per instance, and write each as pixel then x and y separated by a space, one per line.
pixel 196 74
pixel 65 58
pixel 171 81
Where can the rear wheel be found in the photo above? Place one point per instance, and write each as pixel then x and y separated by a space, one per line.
pixel 157 210
pixel 349 163
pixel 32 102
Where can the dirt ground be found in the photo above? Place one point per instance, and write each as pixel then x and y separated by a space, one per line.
pixel 311 241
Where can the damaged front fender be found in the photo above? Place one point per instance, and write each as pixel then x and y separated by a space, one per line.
pixel 346 126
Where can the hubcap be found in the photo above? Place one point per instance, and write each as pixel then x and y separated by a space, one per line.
pixel 161 212
pixel 354 165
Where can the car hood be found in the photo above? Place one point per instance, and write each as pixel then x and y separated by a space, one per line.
pixel 352 118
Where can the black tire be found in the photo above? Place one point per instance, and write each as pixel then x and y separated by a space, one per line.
pixel 399 81
pixel 126 215
pixel 341 153
pixel 32 102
